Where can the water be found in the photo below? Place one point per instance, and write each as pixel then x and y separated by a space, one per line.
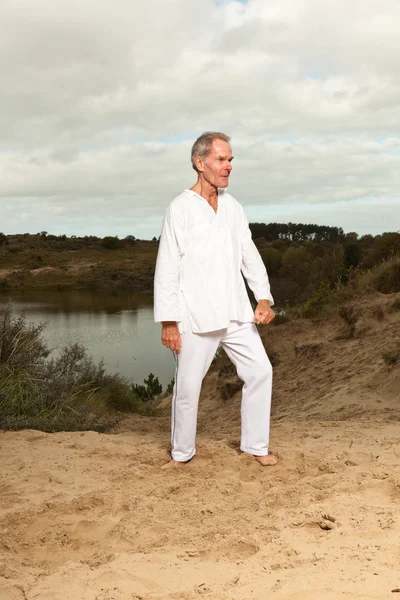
pixel 115 326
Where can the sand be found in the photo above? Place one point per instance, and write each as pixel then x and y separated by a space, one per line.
pixel 87 516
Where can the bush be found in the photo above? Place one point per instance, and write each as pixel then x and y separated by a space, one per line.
pixel 387 278
pixel 24 404
pixel 111 243
pixel 320 304
pixel 21 347
pixel 149 390
pixel 383 277
pixel 170 386
pixel 69 392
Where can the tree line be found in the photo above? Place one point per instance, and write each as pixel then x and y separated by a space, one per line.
pixel 299 257
pixel 297 232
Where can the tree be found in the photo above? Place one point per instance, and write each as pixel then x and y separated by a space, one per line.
pixel 352 236
pixel 384 246
pixel 352 255
pixel 151 388
pixel 272 259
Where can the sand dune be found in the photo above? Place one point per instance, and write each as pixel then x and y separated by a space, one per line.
pixel 86 516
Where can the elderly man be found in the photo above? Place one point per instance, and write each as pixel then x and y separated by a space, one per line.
pixel 201 300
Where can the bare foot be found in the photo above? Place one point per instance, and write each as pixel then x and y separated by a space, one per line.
pixel 173 464
pixel 267 461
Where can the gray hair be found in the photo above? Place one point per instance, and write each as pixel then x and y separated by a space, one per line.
pixel 202 145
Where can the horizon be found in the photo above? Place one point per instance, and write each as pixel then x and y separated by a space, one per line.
pixel 82 236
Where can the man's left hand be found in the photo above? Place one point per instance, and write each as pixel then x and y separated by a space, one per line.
pixel 263 313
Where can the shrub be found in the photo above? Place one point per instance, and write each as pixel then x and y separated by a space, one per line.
pixel 149 390
pixel 170 386
pixel 69 392
pixel 21 346
pixel 24 404
pixel 383 277
pixel 320 303
pixel 387 277
pixel 111 243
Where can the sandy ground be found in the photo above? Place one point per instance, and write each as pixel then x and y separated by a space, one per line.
pixel 86 516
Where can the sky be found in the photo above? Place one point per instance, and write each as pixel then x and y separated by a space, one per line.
pixel 101 101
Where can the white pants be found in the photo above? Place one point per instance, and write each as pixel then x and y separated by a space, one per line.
pixel 243 345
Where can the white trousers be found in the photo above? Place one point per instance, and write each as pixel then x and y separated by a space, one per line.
pixel 243 345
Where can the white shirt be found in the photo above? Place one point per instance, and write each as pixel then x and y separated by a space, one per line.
pixel 202 254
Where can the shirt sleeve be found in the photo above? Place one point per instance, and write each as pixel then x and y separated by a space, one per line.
pixel 253 267
pixel 166 278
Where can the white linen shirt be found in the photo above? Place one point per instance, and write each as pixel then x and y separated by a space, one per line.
pixel 201 257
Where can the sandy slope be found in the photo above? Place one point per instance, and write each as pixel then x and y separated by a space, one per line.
pixel 91 517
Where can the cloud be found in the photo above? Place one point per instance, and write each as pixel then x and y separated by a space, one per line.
pixel 101 101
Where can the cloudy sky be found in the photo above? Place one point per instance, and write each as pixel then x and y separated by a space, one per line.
pixel 101 101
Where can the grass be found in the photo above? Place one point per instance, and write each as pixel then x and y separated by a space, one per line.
pixel 383 278
pixel 66 393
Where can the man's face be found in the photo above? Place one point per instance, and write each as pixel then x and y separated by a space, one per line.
pixel 217 166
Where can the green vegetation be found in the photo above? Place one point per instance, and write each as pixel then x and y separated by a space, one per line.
pixel 170 387
pixel 305 261
pixel 314 270
pixel 69 392
pixel 383 277
pixel 298 232
pixel 150 390
pixel 111 243
pixel 58 262
pixel 311 267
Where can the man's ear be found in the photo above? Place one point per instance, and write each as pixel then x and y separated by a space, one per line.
pixel 199 164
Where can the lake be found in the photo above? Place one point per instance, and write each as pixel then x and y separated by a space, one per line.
pixel 115 326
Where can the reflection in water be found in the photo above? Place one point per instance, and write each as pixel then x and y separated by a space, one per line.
pixel 116 327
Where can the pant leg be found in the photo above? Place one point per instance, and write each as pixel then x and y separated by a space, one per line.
pixel 192 364
pixel 244 347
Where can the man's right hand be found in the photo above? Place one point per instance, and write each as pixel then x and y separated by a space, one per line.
pixel 170 336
